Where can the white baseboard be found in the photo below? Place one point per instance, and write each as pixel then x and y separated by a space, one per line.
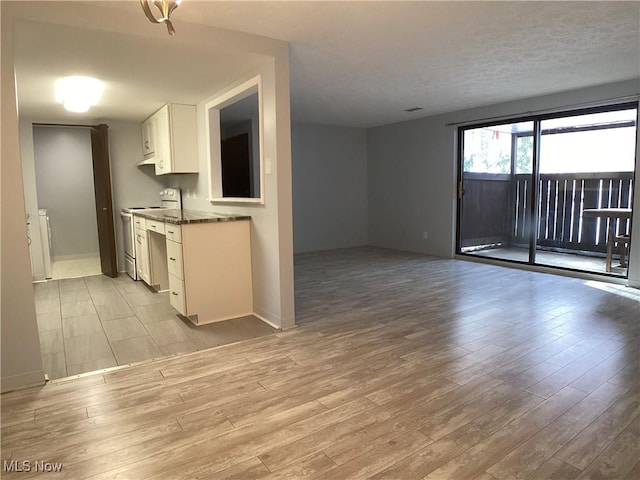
pixel 267 321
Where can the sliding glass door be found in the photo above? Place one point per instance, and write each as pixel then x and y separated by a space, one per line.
pixel 552 190
pixel 495 217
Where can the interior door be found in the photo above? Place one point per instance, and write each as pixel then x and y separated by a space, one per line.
pixel 236 171
pixel 104 204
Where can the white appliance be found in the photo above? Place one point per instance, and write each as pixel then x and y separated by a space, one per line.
pixel 45 237
pixel 170 198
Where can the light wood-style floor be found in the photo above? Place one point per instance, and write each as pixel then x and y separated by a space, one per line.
pixel 403 367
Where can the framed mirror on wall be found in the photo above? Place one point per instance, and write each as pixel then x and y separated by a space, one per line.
pixel 234 128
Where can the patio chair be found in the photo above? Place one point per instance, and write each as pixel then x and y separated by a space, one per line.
pixel 622 241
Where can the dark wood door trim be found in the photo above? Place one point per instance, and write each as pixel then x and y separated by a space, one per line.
pixel 104 203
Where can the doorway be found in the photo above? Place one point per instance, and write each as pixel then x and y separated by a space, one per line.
pixel 73 186
pixel 66 198
pixel 553 190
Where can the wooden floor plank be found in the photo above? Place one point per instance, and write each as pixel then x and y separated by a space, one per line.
pixel 438 453
pixel 589 443
pixel 252 469
pixel 554 469
pixel 534 452
pixel 617 460
pixel 239 445
pixel 308 467
pixel 379 457
pixel 488 452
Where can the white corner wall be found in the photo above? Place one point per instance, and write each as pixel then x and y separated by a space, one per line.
pixel 329 187
pixel 31 198
pixel 21 361
pixel 131 185
pixel 271 223
pixel 412 172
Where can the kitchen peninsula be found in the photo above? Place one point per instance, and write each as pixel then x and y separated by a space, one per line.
pixel 202 258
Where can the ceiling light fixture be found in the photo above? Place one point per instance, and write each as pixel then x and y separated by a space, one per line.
pixel 78 94
pixel 165 7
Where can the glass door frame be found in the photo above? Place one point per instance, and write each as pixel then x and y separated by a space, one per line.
pixel 537 120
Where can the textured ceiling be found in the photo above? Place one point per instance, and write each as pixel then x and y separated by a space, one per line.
pixel 363 63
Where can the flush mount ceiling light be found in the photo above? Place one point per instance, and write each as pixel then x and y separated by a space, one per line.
pixel 78 94
pixel 165 7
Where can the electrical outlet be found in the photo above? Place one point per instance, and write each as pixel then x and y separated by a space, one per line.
pixel 425 235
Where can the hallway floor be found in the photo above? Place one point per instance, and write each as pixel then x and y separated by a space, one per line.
pixel 75 268
pixel 97 322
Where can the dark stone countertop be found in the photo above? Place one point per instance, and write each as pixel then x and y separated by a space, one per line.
pixel 182 217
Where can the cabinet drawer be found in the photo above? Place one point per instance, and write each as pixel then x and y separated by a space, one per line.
pixel 174 258
pixel 176 294
pixel 155 226
pixel 173 232
pixel 139 222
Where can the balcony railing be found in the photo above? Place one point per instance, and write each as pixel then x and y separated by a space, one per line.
pixel 497 209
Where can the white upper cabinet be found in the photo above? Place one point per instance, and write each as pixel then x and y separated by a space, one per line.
pixel 169 139
pixel 148 143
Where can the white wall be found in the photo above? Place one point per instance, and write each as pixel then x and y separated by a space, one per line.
pixel 31 199
pixel 271 223
pixel 21 362
pixel 412 172
pixel 131 185
pixel 411 175
pixel 329 187
pixel 64 181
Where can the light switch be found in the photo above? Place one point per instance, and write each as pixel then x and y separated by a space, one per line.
pixel 267 166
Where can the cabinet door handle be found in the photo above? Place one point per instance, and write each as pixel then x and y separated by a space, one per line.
pixel 174 293
pixel 170 231
pixel 172 259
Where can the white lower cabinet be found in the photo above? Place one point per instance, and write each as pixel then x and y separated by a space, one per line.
pixel 205 266
pixel 176 294
pixel 174 258
pixel 176 276
pixel 142 255
pixel 210 270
